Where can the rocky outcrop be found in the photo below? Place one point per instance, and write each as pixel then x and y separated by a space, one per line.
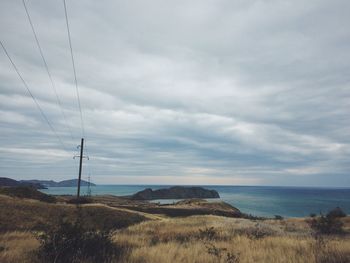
pixel 176 192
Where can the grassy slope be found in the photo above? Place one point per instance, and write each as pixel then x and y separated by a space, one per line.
pixel 25 214
pixel 182 208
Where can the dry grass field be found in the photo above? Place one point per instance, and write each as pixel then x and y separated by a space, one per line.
pixel 145 238
pixel 210 239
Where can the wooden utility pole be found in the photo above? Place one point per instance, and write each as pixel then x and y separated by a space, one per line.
pixel 80 165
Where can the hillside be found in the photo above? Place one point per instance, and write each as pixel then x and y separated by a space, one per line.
pixel 4 181
pixel 24 215
pixel 64 183
pixel 27 192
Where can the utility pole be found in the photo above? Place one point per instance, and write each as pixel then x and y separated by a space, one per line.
pixel 81 156
pixel 80 165
pixel 89 186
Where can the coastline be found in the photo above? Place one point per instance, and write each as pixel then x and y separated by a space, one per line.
pixel 257 200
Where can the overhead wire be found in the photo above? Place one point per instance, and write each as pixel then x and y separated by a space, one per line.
pixel 76 82
pixel 33 97
pixel 74 70
pixel 47 69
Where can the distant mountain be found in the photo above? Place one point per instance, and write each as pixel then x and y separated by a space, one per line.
pixel 4 181
pixel 47 183
pixel 42 184
pixel 64 183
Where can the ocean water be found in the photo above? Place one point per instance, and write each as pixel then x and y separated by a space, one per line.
pixel 255 200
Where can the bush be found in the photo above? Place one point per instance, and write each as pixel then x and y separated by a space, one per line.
pixel 326 225
pixel 336 212
pixel 278 217
pixel 70 242
pixel 208 233
pixel 256 232
pixel 80 200
pixel 222 255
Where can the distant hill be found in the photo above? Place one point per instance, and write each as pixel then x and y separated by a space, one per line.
pixel 4 181
pixel 176 192
pixel 64 183
pixel 42 184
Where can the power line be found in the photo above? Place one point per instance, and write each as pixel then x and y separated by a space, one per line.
pixel 77 91
pixel 47 69
pixel 74 71
pixel 32 96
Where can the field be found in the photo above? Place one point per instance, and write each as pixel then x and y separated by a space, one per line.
pixel 219 239
pixel 154 238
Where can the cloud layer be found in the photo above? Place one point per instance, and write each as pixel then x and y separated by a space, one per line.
pixel 181 92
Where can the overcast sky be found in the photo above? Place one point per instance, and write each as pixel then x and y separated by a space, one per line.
pixel 180 92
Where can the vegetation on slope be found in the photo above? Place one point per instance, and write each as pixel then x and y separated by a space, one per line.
pixel 23 215
pixel 211 239
pixel 27 192
pixel 187 207
pixel 98 233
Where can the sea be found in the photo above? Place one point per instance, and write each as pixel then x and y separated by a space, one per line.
pixel 266 201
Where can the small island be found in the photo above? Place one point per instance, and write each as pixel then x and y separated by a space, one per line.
pixel 175 192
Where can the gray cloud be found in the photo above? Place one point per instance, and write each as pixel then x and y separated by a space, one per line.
pixel 193 92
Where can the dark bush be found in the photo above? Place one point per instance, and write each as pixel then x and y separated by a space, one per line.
pixel 215 251
pixel 221 254
pixel 278 217
pixel 313 215
pixel 68 243
pixel 336 212
pixel 252 217
pixel 80 200
pixel 326 225
pixel 208 233
pixel 256 232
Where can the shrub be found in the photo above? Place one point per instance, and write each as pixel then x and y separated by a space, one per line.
pixel 326 225
pixel 232 257
pixel 256 232
pixel 70 242
pixel 252 217
pixel 336 212
pixel 312 215
pixel 220 253
pixel 278 217
pixel 215 251
pixel 208 233
pixel 80 200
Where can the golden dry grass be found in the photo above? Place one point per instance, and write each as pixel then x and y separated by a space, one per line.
pixel 17 247
pixel 179 240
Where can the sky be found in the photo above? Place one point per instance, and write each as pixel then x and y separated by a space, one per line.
pixel 200 92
